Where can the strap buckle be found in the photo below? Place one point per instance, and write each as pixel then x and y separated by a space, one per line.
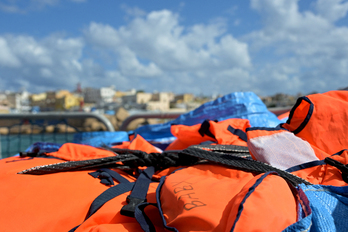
pixel 129 209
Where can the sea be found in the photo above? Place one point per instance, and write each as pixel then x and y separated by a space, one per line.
pixel 12 144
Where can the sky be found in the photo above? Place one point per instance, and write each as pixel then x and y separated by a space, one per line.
pixel 202 47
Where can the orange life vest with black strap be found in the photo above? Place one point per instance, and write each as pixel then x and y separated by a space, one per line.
pixel 312 142
pixel 227 132
pixel 138 143
pixel 70 198
pixel 199 189
pixel 215 198
pixel 321 119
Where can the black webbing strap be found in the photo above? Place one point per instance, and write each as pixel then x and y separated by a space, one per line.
pixel 79 165
pixel 204 129
pixel 139 192
pixel 143 220
pixel 107 176
pixel 238 132
pixel 243 164
pixel 186 157
pixel 233 150
pixel 106 196
pixel 340 166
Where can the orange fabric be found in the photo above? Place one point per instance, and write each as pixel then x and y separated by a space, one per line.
pixel 109 219
pixel 138 143
pixel 271 207
pixel 74 152
pixel 123 145
pixel 261 132
pixel 188 206
pixel 53 202
pixel 223 136
pixel 325 128
pixel 186 136
pixel 189 135
pixel 283 116
pixel 325 174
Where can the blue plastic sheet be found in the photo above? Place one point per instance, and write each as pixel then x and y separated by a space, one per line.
pixel 100 138
pixel 246 105
pixel 328 209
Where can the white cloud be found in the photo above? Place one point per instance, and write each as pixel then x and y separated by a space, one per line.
pixel 50 63
pixel 158 46
pixel 44 2
pixel 7 58
pixel 294 51
pixel 18 6
pixel 306 42
pixel 29 51
pixel 10 8
pixel 332 10
pixel 133 11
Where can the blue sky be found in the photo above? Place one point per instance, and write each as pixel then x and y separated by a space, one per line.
pixel 201 47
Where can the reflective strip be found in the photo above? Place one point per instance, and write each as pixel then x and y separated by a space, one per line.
pixel 282 150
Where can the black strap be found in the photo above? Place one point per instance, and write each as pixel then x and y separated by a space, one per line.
pixel 234 150
pixel 166 159
pixel 143 219
pixel 243 164
pixel 79 165
pixel 204 129
pixel 340 166
pixel 139 192
pixel 106 196
pixel 107 176
pixel 241 134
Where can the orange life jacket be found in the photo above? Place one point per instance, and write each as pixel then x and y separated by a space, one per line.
pixel 138 143
pixel 212 195
pixel 229 131
pixel 215 198
pixel 311 141
pixel 319 119
pixel 64 200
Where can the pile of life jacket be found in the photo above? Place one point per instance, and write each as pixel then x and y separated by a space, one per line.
pixel 215 176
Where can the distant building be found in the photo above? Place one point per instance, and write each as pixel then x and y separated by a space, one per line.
pixel 19 102
pixel 137 100
pixel 148 101
pixel 184 98
pixel 50 101
pixel 91 95
pixel 107 94
pixel 159 101
pixel 61 100
pixel 4 104
pixel 104 95
pixel 68 102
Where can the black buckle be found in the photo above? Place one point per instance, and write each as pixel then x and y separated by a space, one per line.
pixel 129 209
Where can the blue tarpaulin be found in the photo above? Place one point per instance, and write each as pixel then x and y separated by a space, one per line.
pixel 246 105
pixel 100 138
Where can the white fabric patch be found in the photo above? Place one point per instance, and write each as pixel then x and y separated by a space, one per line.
pixel 282 150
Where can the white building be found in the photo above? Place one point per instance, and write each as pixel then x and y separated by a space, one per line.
pixel 107 94
pixel 19 102
pixel 102 95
